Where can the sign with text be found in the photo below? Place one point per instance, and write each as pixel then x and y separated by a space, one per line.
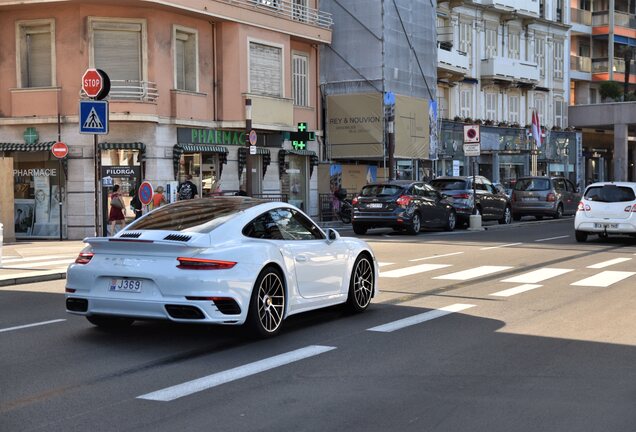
pixel 472 149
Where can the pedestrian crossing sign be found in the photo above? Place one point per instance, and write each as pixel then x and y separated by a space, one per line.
pixel 93 118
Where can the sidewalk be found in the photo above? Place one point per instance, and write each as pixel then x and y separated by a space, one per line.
pixel 37 261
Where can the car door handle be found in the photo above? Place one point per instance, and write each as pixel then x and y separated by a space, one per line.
pixel 301 258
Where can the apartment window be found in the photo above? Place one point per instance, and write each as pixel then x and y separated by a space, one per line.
pixel 36 51
pixel 539 105
pixel 560 114
pixel 266 69
pixel 513 109
pixel 491 43
pixel 119 49
pixel 513 45
pixel 558 59
pixel 539 54
pixel 299 10
pixel 442 102
pixel 465 37
pixel 300 79
pixel 465 102
pixel 185 59
pixel 491 106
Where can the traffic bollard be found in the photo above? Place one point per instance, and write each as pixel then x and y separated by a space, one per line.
pixel 474 223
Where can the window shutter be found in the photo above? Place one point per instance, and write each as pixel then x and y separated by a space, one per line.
pixel 265 70
pixel 491 43
pixel 513 45
pixel 185 58
pixel 491 106
pixel 300 80
pixel 539 53
pixel 117 50
pixel 39 59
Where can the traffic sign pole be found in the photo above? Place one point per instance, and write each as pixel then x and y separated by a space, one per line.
pixel 60 151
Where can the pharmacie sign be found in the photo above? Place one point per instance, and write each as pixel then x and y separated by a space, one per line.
pixel 210 136
pixel 35 172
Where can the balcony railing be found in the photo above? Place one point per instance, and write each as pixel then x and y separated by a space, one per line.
pixel 131 90
pixel 601 65
pixel 452 59
pixel 519 6
pixel 621 19
pixel 445 36
pixel 581 64
pixel 510 69
pixel 289 9
pixel 581 16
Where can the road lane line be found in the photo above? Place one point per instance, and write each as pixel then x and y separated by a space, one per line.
pixel 417 319
pixel 408 271
pixel 552 238
pixel 36 258
pixel 608 263
pixel 382 264
pixel 436 256
pixel 536 276
pixel 516 290
pixel 57 263
pixel 500 246
pixel 31 325
pixel 604 279
pixel 473 273
pixel 207 382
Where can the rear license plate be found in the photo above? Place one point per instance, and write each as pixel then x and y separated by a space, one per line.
pixel 374 205
pixel 531 198
pixel 606 225
pixel 126 285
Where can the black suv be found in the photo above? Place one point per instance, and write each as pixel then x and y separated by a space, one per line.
pixel 401 205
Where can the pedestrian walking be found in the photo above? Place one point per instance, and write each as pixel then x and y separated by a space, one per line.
pixel 187 189
pixel 135 204
pixel 117 213
pixel 158 199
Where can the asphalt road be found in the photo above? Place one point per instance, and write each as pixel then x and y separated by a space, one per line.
pixel 517 328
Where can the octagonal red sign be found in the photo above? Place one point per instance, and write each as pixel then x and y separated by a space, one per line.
pixel 92 82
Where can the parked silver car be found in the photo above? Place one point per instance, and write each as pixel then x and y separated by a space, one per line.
pixel 544 196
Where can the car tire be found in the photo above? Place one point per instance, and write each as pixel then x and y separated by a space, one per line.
pixel 110 322
pixel 507 217
pixel 416 224
pixel 451 221
pixel 361 284
pixel 538 217
pixel 516 217
pixel 267 304
pixel 581 236
pixel 359 228
pixel 559 212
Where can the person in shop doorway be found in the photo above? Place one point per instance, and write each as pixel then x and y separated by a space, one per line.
pixel 117 213
pixel 158 199
pixel 135 204
pixel 187 189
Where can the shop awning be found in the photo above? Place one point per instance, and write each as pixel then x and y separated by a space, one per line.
pixel 301 152
pixel 45 146
pixel 122 146
pixel 180 149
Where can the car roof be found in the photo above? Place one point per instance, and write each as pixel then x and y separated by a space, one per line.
pixel 394 182
pixel 624 184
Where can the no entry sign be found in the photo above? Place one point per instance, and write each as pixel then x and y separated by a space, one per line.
pixel 145 193
pixel 59 150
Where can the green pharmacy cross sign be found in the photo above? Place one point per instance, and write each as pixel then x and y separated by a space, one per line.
pixel 299 139
pixel 31 135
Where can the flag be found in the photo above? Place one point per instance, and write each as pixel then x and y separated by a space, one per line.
pixel 536 128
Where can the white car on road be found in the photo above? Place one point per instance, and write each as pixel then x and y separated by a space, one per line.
pixel 221 260
pixel 606 209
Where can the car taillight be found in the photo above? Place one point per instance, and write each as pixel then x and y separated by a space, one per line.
pixel 204 264
pixel 354 201
pixel 403 200
pixel 631 209
pixel 583 207
pixel 551 197
pixel 461 196
pixel 84 257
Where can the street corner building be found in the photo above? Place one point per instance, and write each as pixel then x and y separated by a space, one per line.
pixel 186 83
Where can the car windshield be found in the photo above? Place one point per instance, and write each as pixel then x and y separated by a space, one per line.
pixel 610 194
pixel 532 184
pixel 449 184
pixel 380 190
pixel 201 215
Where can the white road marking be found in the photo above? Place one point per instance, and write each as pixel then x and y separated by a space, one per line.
pixel 517 290
pixel 604 279
pixel 417 319
pixel 537 275
pixel 500 246
pixel 57 263
pixel 408 271
pixel 552 238
pixel 31 325
pixel 382 264
pixel 207 382
pixel 473 273
pixel 36 258
pixel 608 263
pixel 436 256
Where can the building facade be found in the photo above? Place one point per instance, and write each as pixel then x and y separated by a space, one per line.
pixel 498 61
pixel 181 77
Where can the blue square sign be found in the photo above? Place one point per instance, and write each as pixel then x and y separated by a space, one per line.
pixel 93 118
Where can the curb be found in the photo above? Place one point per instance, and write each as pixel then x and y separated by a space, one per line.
pixel 526 223
pixel 32 279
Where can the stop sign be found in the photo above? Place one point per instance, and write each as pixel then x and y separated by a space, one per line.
pixel 59 150
pixel 92 82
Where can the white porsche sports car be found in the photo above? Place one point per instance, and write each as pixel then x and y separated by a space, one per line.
pixel 221 260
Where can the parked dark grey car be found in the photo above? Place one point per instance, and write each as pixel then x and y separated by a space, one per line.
pixel 541 196
pixel 491 203
pixel 401 205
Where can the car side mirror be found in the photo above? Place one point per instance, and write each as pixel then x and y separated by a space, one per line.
pixel 332 235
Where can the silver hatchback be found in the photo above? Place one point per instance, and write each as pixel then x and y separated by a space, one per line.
pixel 544 196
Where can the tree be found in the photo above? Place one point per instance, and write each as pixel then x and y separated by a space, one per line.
pixel 610 89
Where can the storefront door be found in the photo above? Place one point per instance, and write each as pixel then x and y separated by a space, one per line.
pixel 298 181
pixel 210 182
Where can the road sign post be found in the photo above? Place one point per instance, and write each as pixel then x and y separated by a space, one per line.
pixel 60 151
pixel 472 148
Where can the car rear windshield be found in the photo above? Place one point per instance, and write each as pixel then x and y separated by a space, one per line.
pixel 610 193
pixel 532 184
pixel 200 215
pixel 380 190
pixel 449 184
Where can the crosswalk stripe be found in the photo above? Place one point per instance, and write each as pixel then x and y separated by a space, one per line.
pixel 31 325
pixel 500 246
pixel 516 290
pixel 604 279
pixel 417 319
pixel 473 273
pixel 408 271
pixel 436 256
pixel 207 382
pixel 537 275
pixel 552 238
pixel 56 263
pixel 383 264
pixel 608 263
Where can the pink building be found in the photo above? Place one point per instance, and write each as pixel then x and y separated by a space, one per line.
pixel 181 73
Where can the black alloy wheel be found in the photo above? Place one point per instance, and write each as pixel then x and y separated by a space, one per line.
pixel 581 236
pixel 416 224
pixel 507 216
pixel 267 305
pixel 559 212
pixel 361 284
pixel 359 228
pixel 451 221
